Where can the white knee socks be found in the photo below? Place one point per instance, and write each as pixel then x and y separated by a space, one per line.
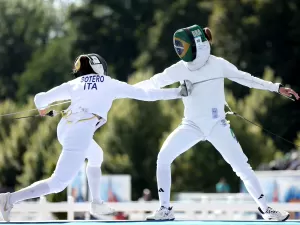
pixel 94 177
pixel 163 173
pixel 35 190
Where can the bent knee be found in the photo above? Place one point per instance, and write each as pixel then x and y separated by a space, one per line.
pixel 95 161
pixel 56 185
pixel 164 158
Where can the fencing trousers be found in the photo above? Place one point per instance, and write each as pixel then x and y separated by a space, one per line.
pixel 223 139
pixel 78 144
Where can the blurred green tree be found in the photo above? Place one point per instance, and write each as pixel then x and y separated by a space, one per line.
pixel 132 35
pixel 24 27
pixel 255 34
pixel 156 48
pixel 13 136
pixel 113 29
pixel 50 66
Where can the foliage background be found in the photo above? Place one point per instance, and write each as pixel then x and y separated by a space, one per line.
pixel 39 40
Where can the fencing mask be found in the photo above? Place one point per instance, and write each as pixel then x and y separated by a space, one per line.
pixel 89 63
pixel 192 46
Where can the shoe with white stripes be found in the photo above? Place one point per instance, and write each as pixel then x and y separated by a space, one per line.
pixel 5 206
pixel 162 214
pixel 274 215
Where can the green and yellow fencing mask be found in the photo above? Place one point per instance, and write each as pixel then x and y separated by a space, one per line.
pixel 192 46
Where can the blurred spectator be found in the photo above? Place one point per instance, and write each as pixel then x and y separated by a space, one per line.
pixel 146 196
pixel 222 186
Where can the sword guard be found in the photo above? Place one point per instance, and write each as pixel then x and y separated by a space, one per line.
pixel 52 113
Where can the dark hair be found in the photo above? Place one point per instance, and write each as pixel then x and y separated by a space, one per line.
pixel 208 34
pixel 85 67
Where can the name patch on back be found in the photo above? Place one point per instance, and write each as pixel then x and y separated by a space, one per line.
pixel 90 82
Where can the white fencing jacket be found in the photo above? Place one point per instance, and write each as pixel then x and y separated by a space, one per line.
pixel 95 93
pixel 207 99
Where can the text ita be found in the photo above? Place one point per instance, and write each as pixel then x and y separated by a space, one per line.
pixel 90 86
pixel 91 81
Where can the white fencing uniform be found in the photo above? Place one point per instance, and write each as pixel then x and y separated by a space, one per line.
pixel 91 99
pixel 204 119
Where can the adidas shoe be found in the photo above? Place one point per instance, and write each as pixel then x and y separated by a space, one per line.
pixel 162 213
pixel 274 215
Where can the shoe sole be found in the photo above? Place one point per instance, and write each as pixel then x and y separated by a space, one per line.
pixel 286 218
pixel 102 214
pixel 160 220
pixel 278 220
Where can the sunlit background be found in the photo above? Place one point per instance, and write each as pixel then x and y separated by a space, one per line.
pixel 39 40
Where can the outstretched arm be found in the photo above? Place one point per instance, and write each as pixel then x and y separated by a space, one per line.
pixel 44 99
pixel 124 90
pixel 246 79
pixel 169 76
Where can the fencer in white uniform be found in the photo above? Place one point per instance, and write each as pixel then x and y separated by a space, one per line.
pixel 92 94
pixel 204 115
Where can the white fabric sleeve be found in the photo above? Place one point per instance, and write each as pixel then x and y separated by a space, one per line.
pixel 59 93
pixel 246 79
pixel 169 76
pixel 124 90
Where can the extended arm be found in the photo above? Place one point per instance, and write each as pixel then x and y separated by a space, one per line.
pixel 169 76
pixel 59 93
pixel 124 90
pixel 246 79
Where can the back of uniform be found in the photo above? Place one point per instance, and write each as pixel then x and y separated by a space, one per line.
pixel 94 93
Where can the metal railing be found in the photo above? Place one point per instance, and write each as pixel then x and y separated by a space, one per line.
pixel 210 210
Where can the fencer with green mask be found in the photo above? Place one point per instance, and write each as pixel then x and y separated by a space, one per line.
pixel 192 46
pixel 204 115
